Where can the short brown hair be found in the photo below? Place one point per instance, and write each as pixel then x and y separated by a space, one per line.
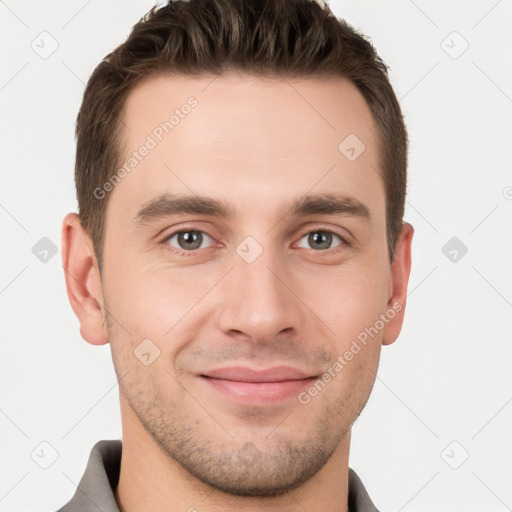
pixel 281 38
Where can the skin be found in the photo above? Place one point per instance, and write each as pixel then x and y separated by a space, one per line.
pixel 255 144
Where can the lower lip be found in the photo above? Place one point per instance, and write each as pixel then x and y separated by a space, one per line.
pixel 258 392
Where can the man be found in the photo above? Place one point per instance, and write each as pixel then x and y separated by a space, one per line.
pixel 241 179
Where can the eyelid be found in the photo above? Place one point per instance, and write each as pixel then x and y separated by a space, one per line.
pixel 306 231
pixel 165 240
pixel 322 227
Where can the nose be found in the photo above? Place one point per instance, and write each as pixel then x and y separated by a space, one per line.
pixel 258 302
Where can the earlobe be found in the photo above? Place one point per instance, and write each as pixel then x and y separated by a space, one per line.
pixel 82 280
pixel 399 279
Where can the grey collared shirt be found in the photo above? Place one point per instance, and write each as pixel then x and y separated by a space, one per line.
pixel 95 492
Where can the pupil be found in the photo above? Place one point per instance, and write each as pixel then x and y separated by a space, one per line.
pixel 191 239
pixel 320 238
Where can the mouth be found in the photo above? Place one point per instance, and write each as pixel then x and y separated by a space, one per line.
pixel 257 386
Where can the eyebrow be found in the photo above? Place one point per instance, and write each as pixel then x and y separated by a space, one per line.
pixel 167 204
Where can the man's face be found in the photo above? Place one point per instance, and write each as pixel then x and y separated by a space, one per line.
pixel 265 288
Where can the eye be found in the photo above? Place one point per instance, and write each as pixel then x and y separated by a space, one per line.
pixel 188 240
pixel 320 239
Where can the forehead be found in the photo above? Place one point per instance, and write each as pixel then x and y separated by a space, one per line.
pixel 290 109
pixel 261 137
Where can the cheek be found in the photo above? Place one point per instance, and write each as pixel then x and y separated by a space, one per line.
pixel 152 297
pixel 168 308
pixel 348 299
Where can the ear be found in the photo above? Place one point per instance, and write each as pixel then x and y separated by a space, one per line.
pixel 83 282
pixel 398 281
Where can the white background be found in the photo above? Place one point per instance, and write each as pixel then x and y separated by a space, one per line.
pixel 446 379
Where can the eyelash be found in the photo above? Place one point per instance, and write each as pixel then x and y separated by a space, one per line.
pixel 194 252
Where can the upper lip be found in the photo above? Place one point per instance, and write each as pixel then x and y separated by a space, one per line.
pixel 246 374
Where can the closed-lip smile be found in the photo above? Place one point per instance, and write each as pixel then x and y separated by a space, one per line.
pixel 257 386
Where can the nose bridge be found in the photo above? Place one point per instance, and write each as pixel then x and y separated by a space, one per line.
pixel 255 301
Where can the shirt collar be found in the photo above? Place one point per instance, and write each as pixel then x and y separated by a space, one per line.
pixel 95 492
